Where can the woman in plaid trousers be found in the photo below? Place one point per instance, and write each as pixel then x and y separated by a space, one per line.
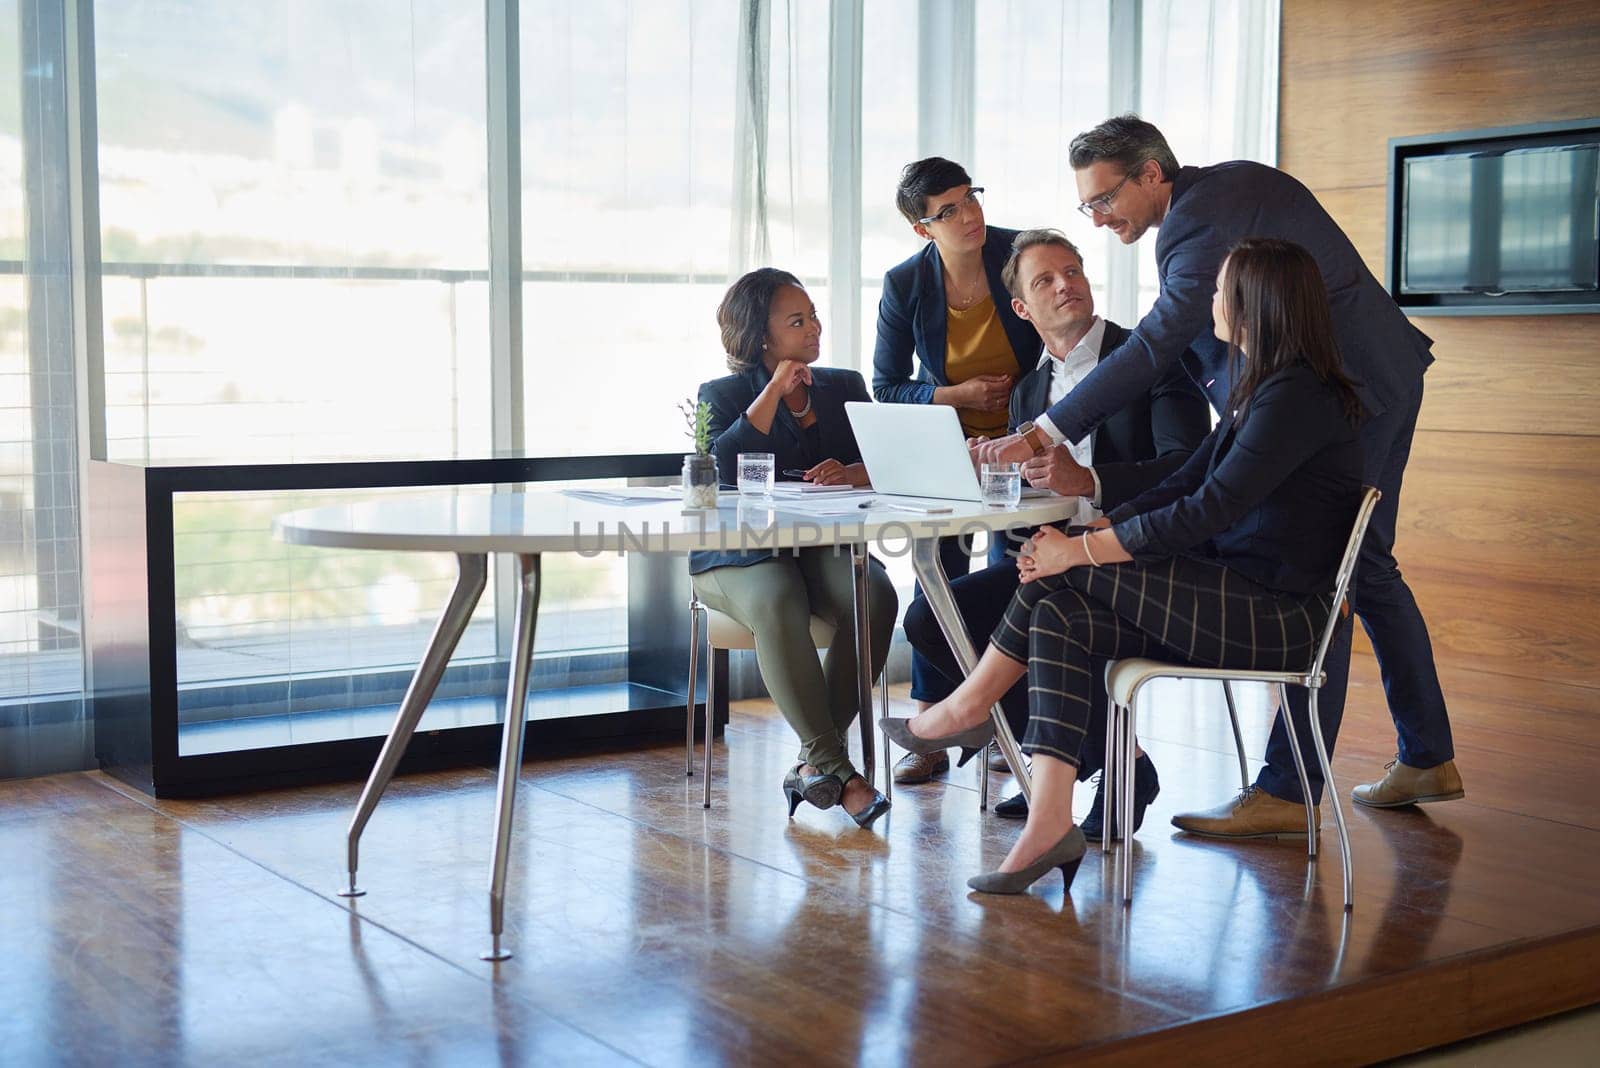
pixel 1227 563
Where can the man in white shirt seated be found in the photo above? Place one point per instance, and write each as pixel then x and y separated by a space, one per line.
pixel 1128 453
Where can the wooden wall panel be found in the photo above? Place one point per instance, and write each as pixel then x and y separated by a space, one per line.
pixel 1502 553
pixel 1356 74
pixel 1500 516
pixel 1514 375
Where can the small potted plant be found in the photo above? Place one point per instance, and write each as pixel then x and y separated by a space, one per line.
pixel 699 467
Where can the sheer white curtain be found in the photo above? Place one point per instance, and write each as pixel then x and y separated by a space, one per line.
pixel 1209 80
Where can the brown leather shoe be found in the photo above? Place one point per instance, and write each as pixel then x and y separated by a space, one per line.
pixel 1404 785
pixel 921 767
pixel 1253 814
pixel 997 760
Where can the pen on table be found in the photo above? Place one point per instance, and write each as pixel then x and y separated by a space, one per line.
pixel 793 472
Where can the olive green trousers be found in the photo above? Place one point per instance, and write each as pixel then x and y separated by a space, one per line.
pixel 775 600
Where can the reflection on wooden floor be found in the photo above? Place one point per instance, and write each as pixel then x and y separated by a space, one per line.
pixel 646 928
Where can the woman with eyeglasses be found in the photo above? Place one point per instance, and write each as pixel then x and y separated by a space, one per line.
pixel 947 335
pixel 777 401
pixel 1229 563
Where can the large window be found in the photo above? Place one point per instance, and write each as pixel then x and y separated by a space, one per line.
pixel 293 206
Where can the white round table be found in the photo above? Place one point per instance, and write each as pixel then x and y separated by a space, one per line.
pixel 472 523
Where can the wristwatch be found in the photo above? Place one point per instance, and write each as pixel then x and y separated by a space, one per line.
pixel 1036 438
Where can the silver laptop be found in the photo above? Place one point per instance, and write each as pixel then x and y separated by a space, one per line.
pixel 915 450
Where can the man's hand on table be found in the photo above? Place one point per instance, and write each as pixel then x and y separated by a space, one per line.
pixel 1055 469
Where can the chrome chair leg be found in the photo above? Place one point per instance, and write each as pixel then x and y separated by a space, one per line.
pixel 694 663
pixel 1333 798
pixel 1125 790
pixel 711 713
pixel 472 572
pixel 936 588
pixel 883 714
pixel 860 576
pixel 1300 769
pixel 1109 771
pixel 527 611
pixel 1238 738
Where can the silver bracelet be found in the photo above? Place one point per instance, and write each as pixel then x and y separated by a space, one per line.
pixel 1092 561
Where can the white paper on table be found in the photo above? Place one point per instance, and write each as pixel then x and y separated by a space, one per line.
pixel 628 495
pixel 797 489
pixel 830 504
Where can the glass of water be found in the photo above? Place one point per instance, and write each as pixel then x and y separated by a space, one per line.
pixel 756 474
pixel 1001 484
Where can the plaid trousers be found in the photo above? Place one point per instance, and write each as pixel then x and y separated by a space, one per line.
pixel 1066 627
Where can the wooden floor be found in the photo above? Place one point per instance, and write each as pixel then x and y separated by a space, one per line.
pixel 647 929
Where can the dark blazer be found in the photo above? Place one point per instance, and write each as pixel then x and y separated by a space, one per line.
pixel 1211 209
pixel 913 320
pixel 732 433
pixel 1141 444
pixel 1270 493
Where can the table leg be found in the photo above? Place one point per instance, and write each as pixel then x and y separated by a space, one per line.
pixel 860 576
pixel 936 588
pixel 511 746
pixel 472 571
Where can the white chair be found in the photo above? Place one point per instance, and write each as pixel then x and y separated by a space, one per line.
pixel 1125 678
pixel 724 632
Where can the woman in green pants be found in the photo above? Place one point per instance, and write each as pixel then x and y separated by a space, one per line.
pixel 776 401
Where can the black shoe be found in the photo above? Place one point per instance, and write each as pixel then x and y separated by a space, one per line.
pixel 871 811
pixel 821 790
pixel 1146 785
pixel 1012 808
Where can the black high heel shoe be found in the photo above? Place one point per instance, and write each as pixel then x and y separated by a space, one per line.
pixel 823 791
pixel 873 809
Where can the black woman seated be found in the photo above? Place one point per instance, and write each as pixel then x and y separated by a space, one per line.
pixel 776 401
pixel 1229 562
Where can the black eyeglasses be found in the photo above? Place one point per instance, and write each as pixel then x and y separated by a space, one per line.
pixel 1101 205
pixel 948 212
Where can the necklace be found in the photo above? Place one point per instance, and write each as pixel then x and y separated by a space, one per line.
pixel 803 412
pixel 972 292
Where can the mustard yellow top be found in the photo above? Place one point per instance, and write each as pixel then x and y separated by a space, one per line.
pixel 976 344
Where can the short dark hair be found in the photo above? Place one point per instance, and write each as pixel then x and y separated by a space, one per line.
pixel 1277 304
pixel 923 179
pixel 743 313
pixel 1022 243
pixel 1127 141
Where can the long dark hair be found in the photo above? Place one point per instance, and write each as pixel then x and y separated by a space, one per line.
pixel 1277 304
pixel 743 315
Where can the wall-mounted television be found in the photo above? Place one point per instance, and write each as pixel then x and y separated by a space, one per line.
pixel 1501 221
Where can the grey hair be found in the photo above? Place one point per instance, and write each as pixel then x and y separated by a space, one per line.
pixel 1127 141
pixel 1022 243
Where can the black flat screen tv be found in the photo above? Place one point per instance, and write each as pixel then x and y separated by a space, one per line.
pixel 1496 222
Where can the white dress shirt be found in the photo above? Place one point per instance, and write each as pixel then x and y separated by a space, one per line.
pixel 1065 373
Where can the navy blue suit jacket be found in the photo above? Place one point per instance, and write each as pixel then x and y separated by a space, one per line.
pixel 1271 493
pixel 1144 442
pixel 913 322
pixel 1212 208
pixel 733 433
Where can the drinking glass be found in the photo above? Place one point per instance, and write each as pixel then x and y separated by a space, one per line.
pixel 756 474
pixel 1001 484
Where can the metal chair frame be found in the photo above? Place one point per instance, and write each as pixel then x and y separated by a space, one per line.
pixel 1125 678
pixel 822 635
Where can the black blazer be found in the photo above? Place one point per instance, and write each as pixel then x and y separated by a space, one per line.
pixel 1144 442
pixel 732 433
pixel 1271 492
pixel 1212 208
pixel 913 321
